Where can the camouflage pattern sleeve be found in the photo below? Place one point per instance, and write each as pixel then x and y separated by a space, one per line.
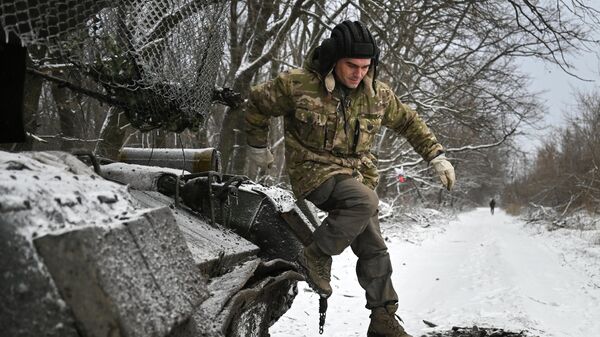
pixel 266 100
pixel 404 120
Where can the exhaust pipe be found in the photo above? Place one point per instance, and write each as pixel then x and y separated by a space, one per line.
pixel 191 160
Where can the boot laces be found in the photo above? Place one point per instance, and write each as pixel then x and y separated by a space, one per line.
pixel 321 269
pixel 392 323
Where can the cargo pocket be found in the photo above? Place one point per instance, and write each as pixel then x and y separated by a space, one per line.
pixel 368 128
pixel 369 171
pixel 310 126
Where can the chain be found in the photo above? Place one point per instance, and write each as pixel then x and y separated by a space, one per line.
pixel 322 313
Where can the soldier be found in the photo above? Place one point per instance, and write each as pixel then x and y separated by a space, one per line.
pixel 332 109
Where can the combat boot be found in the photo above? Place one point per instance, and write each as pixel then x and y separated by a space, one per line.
pixel 384 323
pixel 316 267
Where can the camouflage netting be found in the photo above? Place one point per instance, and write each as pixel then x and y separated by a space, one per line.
pixel 156 60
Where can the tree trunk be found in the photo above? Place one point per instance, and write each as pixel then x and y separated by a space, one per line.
pixel 112 134
pixel 233 160
pixel 31 100
pixel 238 153
pixel 66 115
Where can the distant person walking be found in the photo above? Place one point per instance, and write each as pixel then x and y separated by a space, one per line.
pixel 492 205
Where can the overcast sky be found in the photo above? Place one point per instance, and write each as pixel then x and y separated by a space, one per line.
pixel 559 90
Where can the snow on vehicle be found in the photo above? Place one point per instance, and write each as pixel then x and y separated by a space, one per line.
pixel 135 250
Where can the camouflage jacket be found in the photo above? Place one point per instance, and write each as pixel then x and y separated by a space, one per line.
pixel 328 132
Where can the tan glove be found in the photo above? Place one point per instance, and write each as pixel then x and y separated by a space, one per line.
pixel 445 170
pixel 261 156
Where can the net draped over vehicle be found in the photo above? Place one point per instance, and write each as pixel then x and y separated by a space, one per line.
pixel 156 60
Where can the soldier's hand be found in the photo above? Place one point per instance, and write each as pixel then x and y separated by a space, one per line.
pixel 445 170
pixel 261 156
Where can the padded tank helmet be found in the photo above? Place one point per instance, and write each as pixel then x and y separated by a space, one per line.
pixel 349 39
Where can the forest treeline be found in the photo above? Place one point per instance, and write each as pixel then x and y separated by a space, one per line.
pixel 455 62
pixel 565 172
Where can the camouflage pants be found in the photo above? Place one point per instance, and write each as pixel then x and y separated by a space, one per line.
pixel 352 221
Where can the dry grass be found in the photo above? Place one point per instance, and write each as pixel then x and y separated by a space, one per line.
pixel 513 209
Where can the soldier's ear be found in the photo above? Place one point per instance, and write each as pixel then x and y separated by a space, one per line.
pixel 327 55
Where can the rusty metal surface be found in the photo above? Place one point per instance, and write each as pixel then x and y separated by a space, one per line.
pixel 191 160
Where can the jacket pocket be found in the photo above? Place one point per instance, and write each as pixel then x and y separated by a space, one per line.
pixel 368 126
pixel 310 125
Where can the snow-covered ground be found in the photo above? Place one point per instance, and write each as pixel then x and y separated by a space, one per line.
pixel 490 271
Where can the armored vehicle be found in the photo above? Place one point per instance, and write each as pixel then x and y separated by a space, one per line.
pixel 124 249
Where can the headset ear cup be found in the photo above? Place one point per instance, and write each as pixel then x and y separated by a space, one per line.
pixel 327 55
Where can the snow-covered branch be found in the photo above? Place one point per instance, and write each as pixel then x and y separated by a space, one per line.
pixel 481 146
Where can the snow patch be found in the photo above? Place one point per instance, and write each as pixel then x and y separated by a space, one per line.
pixel 283 200
pixel 138 177
pixel 43 192
pixel 14 203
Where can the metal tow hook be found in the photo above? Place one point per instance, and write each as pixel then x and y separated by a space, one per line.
pixel 322 313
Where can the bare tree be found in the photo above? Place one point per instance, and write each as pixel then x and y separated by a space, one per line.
pixel 257 30
pixel 566 174
pixel 455 62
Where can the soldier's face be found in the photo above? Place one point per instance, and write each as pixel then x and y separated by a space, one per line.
pixel 351 71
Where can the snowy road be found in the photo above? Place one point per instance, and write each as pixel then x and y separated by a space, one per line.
pixel 482 270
